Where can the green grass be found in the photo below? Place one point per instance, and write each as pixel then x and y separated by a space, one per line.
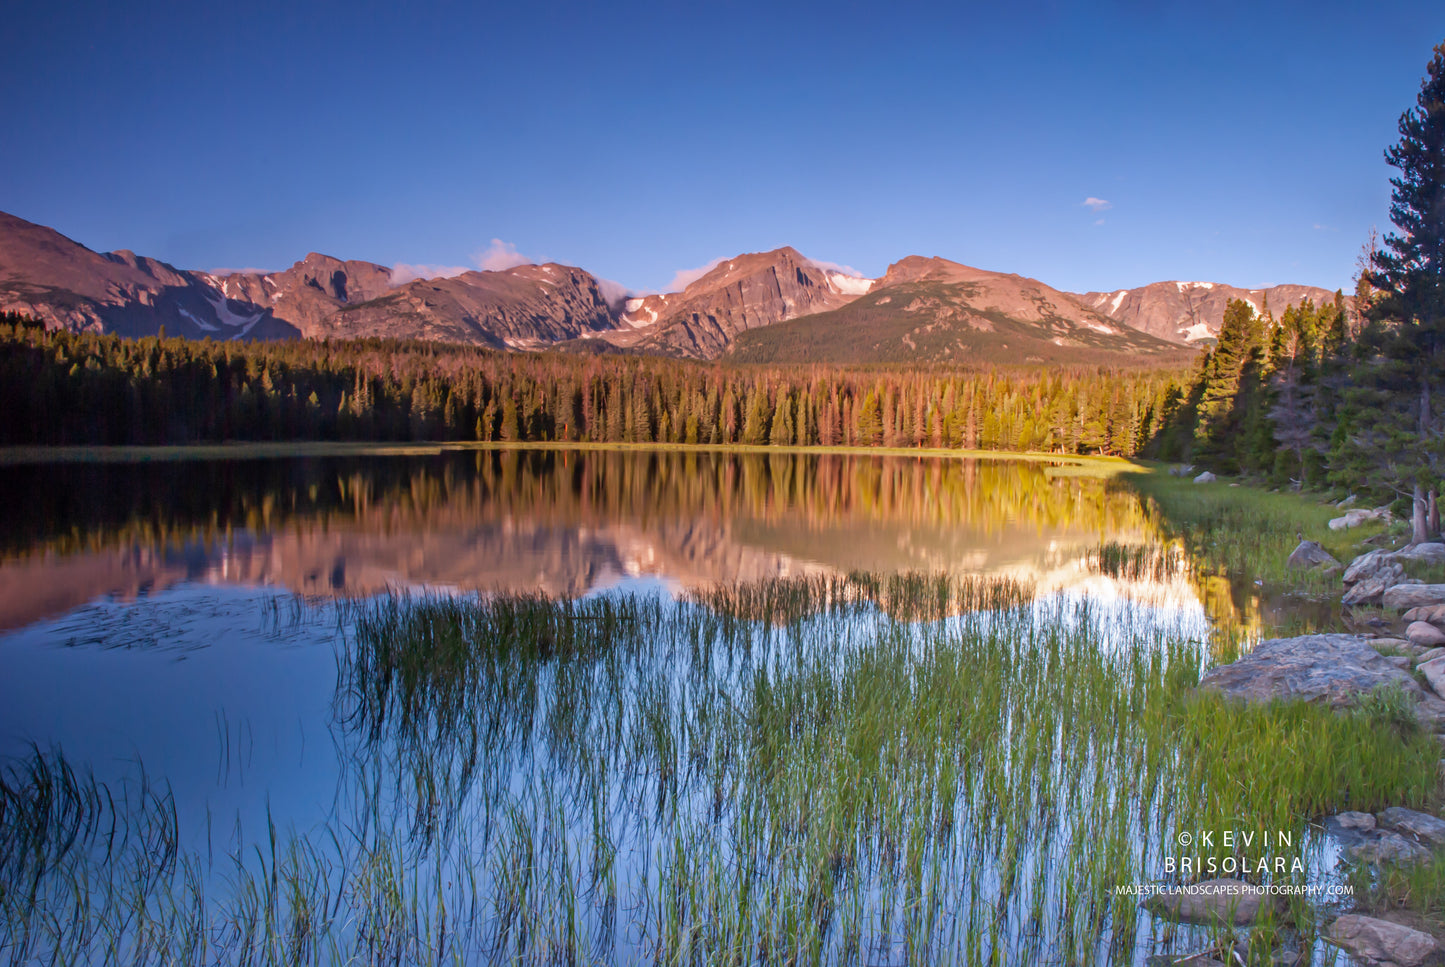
pixel 790 771
pixel 1238 539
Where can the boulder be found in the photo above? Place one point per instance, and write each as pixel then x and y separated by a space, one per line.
pixel 1400 661
pixel 1333 670
pixel 1429 552
pixel 1403 596
pixel 1181 470
pixel 1205 477
pixel 1309 554
pixel 1353 518
pixel 1430 655
pixel 1386 846
pixel 1355 820
pixel 1348 501
pixel 1382 941
pixel 1366 565
pixel 1426 634
pixel 1435 614
pixel 1395 646
pixel 1424 827
pixel 1371 590
pixel 1434 672
pixel 1214 902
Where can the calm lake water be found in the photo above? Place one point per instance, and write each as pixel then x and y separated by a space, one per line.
pixel 192 627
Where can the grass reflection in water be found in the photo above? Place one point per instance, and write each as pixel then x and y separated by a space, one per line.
pixel 860 769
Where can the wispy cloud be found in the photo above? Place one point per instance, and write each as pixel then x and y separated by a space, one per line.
pixel 836 267
pixel 686 277
pixel 1099 221
pixel 402 272
pixel 613 292
pixel 1097 204
pixel 499 256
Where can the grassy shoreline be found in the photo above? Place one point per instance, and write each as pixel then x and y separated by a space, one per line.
pixel 15 456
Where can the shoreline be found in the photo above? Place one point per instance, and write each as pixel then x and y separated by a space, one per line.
pixel 129 453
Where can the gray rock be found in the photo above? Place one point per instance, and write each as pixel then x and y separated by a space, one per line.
pixel 1434 672
pixel 1310 554
pixel 1430 552
pixel 1371 589
pixel 1435 614
pixel 1382 941
pixel 1347 501
pixel 1424 827
pixel 1353 518
pixel 1430 655
pixel 1385 846
pixel 1426 634
pixel 1395 646
pixel 1355 820
pixel 1400 661
pixel 1332 670
pixel 1222 901
pixel 1365 565
pixel 1205 477
pixel 1404 596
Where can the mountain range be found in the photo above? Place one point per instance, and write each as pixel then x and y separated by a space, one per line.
pixel 776 306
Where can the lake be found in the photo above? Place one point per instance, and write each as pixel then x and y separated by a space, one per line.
pixel 577 706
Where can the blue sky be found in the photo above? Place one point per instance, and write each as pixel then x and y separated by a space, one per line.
pixel 1230 142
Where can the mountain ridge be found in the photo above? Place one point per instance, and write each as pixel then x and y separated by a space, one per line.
pixel 922 307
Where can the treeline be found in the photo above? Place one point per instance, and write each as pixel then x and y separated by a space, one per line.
pixel 63 388
pixel 1267 398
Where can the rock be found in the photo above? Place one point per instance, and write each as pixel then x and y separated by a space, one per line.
pixel 1395 646
pixel 1366 565
pixel 1309 554
pixel 1429 552
pixel 1371 590
pixel 1347 501
pixel 1400 661
pixel 1430 655
pixel 1434 672
pixel 1403 596
pixel 1354 820
pixel 1384 846
pixel 1205 477
pixel 1332 670
pixel 1217 902
pixel 1424 827
pixel 1426 634
pixel 1181 470
pixel 1381 940
pixel 1352 518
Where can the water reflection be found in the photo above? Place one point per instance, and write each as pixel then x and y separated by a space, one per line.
pixel 565 523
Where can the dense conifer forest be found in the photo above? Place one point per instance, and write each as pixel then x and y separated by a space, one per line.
pixel 85 389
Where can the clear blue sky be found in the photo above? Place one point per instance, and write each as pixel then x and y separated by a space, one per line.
pixel 1235 142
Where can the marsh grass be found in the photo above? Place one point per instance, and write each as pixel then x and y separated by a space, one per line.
pixel 851 770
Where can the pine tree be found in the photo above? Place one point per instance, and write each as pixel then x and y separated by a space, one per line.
pixel 1396 429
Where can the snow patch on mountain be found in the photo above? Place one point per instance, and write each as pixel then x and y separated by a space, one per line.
pixel 850 285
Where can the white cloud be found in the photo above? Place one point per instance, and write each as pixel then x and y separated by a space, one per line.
pixel 1099 221
pixel 613 292
pixel 686 277
pixel 836 267
pixel 499 256
pixel 402 273
pixel 1097 204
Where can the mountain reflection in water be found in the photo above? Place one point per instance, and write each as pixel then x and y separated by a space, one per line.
pixel 561 522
